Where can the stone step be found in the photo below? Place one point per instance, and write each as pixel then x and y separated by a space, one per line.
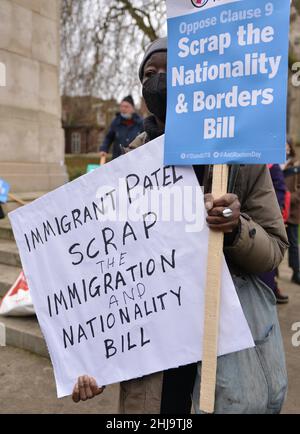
pixel 11 206
pixel 29 196
pixel 46 182
pixel 24 333
pixel 9 254
pixel 26 197
pixel 8 276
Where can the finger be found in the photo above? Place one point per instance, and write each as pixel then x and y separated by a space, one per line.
pixel 75 395
pixel 209 201
pixel 81 386
pixel 88 391
pixel 226 200
pixel 225 227
pixel 217 218
pixel 216 211
pixel 95 389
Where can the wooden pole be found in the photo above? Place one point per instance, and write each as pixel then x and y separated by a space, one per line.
pixel 16 199
pixel 212 301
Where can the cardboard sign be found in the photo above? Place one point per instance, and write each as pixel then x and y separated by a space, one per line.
pixel 227 81
pixel 4 190
pixel 116 266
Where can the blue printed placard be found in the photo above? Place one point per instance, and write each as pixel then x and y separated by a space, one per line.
pixel 4 189
pixel 227 81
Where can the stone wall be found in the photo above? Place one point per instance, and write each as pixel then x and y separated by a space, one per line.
pixel 31 136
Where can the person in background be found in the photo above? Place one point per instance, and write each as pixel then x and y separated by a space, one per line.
pixel 292 180
pixel 126 126
pixel 269 278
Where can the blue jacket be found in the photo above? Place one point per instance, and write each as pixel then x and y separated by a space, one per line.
pixel 121 132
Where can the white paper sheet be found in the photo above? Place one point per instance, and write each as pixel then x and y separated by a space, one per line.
pixel 165 309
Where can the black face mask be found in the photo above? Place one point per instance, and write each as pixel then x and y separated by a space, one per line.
pixel 155 95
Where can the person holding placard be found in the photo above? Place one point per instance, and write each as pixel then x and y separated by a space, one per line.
pixel 253 380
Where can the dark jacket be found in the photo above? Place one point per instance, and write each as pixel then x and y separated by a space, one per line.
pixel 278 183
pixel 122 132
pixel 293 185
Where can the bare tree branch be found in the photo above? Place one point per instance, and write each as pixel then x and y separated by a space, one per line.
pixel 103 41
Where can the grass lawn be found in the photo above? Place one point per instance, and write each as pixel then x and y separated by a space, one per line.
pixel 77 164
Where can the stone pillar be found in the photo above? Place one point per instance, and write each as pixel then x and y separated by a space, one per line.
pixel 31 136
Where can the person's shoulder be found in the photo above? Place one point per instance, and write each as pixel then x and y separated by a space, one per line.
pixel 253 175
pixel 253 169
pixel 117 119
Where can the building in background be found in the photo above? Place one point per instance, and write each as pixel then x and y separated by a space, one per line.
pixel 85 121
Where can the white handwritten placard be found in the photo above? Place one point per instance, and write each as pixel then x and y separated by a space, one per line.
pixel 116 279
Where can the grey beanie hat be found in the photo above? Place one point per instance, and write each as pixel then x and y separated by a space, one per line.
pixel 156 46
